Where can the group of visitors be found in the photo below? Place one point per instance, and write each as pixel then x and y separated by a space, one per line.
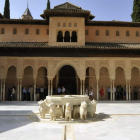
pixel 41 92
pixel 11 93
pixel 61 90
pixel 27 94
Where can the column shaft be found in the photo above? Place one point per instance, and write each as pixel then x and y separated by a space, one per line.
pixel 81 86
pixel 20 90
pixel 48 87
pixel 18 95
pixel 111 90
pixel 3 89
pixel 35 89
pixel 126 90
pixel 129 92
pixel 51 87
pixel 97 90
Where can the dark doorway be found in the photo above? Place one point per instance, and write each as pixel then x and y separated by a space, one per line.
pixel 67 36
pixel 74 37
pixel 60 36
pixel 67 78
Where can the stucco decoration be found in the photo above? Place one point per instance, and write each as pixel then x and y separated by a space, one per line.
pixel 28 62
pixel 135 63
pixel 11 62
pixel 90 63
pixel 68 112
pixel 120 63
pixel 42 63
pixel 103 63
pixel 91 108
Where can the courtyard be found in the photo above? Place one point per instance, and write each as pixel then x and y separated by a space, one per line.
pixel 113 121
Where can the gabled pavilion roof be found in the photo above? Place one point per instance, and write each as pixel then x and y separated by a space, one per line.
pixel 67 10
pixel 27 12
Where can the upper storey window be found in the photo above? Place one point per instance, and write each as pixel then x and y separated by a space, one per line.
pixel 127 33
pixel 37 31
pixel 117 33
pixel 75 24
pixel 26 31
pixel 69 24
pixel 97 32
pixel 58 24
pixel 107 33
pixel 2 31
pixel 137 33
pixel 86 32
pixel 14 31
pixel 64 24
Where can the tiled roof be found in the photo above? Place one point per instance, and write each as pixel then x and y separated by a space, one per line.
pixel 89 45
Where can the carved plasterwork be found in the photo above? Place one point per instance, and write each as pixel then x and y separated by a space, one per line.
pixel 42 63
pixel 11 62
pixel 28 62
pixel 104 63
pixel 120 63
pixel 135 63
pixel 90 63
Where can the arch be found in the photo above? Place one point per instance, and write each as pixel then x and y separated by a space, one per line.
pixel 15 31
pixel 11 81
pixel 117 33
pixel 75 24
pixel 2 31
pixel 104 81
pixel 63 63
pixel 107 32
pixel 74 37
pixel 26 31
pixel 60 36
pixel 67 36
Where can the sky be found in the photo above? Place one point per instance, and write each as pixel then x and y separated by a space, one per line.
pixel 104 10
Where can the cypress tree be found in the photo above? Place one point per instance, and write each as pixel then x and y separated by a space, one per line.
pixel 7 9
pixel 48 4
pixel 136 11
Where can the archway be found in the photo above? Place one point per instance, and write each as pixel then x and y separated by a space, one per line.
pixel 67 78
pixel 134 83
pixel 120 83
pixel 67 36
pixel 60 36
pixel 42 81
pixel 91 81
pixel 104 82
pixel 27 80
pixel 11 81
pixel 74 37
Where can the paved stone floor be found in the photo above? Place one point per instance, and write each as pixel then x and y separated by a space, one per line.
pixel 113 121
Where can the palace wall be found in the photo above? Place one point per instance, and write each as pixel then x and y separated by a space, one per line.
pixel 8 35
pixel 112 38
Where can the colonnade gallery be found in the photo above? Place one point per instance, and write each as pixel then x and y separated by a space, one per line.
pixel 67 47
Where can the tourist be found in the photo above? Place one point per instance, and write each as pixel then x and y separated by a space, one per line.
pixel 109 92
pixel 9 94
pixel 59 90
pixel 24 94
pixel 124 93
pixel 91 94
pixel 13 93
pixel 37 93
pixel 63 90
pixel 86 91
pixel 28 94
pixel 41 93
pixel 31 93
pixel 102 92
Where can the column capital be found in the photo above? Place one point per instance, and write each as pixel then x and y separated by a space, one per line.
pixel 50 78
pixel 112 78
pixel 82 78
pixel 128 78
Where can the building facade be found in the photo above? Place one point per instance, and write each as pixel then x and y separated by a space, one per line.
pixel 68 48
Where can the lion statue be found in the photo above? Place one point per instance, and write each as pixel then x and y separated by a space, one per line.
pixel 68 112
pixel 91 108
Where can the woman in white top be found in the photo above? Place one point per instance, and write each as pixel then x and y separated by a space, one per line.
pixel 63 90
pixel 91 94
pixel 13 93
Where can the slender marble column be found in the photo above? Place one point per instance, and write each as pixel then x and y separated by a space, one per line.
pixel 48 87
pixel 97 89
pixel 129 91
pixel 3 89
pixel 81 86
pixel 111 90
pixel 34 89
pixel 18 95
pixel 20 90
pixel 51 87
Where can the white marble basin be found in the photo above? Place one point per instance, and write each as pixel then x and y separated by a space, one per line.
pixel 62 99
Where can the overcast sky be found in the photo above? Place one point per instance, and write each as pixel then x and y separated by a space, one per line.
pixel 105 10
